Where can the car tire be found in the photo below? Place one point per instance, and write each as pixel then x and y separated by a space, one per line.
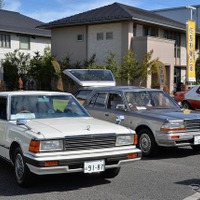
pixel 146 142
pixel 186 105
pixel 196 147
pixel 111 173
pixel 22 173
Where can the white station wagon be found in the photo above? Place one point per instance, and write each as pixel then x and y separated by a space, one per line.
pixel 51 133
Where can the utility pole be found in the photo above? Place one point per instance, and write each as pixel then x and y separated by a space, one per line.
pixel 191 11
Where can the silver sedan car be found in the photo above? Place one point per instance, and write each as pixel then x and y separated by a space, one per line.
pixel 153 114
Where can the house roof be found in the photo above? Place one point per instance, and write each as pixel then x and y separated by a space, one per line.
pixel 112 13
pixel 15 22
pixel 175 8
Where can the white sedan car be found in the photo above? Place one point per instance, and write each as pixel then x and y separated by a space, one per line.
pixel 51 133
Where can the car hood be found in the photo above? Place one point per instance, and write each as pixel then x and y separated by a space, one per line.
pixel 170 114
pixel 61 127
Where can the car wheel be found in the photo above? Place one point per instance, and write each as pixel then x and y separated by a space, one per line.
pixel 146 142
pixel 196 147
pixel 111 173
pixel 186 105
pixel 22 173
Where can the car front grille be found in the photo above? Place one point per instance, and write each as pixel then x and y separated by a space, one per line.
pixel 87 142
pixel 192 124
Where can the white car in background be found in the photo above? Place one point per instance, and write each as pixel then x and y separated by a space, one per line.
pixel 51 133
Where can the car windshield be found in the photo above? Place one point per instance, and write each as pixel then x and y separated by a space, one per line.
pixel 149 99
pixel 45 106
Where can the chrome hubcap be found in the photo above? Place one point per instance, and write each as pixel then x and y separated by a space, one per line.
pixel 145 143
pixel 19 167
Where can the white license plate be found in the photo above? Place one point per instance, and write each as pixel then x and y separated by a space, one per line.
pixel 197 139
pixel 94 166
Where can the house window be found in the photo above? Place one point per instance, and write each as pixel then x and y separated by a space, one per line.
pixel 172 35
pixel 150 31
pixel 5 40
pixel 24 42
pixel 80 37
pixel 134 29
pixel 109 35
pixel 99 36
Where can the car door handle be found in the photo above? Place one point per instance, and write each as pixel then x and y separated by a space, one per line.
pixel 106 114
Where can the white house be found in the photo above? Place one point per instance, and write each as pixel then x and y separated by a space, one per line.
pixel 20 32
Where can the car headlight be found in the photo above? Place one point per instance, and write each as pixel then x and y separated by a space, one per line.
pixel 51 145
pixel 36 146
pixel 124 140
pixel 173 126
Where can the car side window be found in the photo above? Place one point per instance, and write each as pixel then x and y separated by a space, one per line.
pixel 114 100
pixel 82 95
pixel 198 90
pixel 3 103
pixel 98 100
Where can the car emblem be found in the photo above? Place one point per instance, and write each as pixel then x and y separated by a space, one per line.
pixel 88 128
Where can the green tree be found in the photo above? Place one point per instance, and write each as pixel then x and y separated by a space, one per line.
pixel 92 63
pixel 129 71
pixel 10 75
pixel 112 64
pixel 42 69
pixel 65 64
pixel 147 67
pixel 16 64
pixel 197 68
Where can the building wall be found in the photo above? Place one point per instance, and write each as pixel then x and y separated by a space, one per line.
pixel 181 14
pixel 102 48
pixel 127 35
pixel 163 49
pixel 65 43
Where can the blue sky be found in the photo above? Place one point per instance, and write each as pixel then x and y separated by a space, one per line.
pixel 50 10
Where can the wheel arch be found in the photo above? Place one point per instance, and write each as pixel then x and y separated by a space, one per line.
pixel 13 146
pixel 139 128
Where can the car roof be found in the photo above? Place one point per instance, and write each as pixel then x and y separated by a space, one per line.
pixel 119 88
pixel 21 92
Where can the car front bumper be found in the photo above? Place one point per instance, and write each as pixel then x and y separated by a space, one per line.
pixel 176 139
pixel 74 161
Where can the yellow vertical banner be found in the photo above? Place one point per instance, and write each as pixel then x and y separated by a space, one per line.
pixel 191 33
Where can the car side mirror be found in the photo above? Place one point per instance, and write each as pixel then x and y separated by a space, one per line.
pixel 119 119
pixel 180 104
pixel 121 107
